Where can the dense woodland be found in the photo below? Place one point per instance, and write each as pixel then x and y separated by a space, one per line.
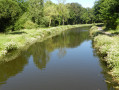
pixel 21 14
pixel 27 14
pixel 107 11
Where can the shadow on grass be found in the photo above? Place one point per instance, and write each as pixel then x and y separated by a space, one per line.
pixel 105 31
pixel 102 32
pixel 116 33
pixel 18 32
pixel 101 25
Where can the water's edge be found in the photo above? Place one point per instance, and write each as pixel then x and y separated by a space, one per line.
pixel 64 62
pixel 53 32
pixel 102 44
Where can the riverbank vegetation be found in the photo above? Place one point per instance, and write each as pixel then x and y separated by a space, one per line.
pixel 24 21
pixel 24 38
pixel 106 38
pixel 106 44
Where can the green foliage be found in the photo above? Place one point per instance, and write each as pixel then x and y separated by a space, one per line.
pixel 94 31
pixel 78 14
pixel 11 46
pixel 9 13
pixel 108 11
pixel 63 13
pixel 21 14
pixel 74 13
pixel 87 15
pixel 18 39
pixel 21 21
pixel 36 10
pixel 97 13
pixel 117 21
pixel 45 21
pixel 23 5
pixel 50 12
pixel 29 25
pixel 108 48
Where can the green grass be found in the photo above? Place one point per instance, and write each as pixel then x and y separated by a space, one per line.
pixel 108 47
pixel 24 38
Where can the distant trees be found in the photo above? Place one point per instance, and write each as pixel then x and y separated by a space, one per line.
pixel 87 15
pixel 50 11
pixel 74 13
pixel 20 14
pixel 63 13
pixel 78 14
pixel 36 10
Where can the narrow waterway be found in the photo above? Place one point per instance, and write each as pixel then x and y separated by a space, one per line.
pixel 64 62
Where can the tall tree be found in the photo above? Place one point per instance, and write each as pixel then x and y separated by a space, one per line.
pixel 9 13
pixel 63 13
pixel 74 13
pixel 36 10
pixel 50 11
pixel 88 15
pixel 109 11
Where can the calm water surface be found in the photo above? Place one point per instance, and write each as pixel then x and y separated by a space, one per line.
pixel 64 62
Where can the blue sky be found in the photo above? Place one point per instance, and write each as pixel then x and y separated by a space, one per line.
pixel 84 3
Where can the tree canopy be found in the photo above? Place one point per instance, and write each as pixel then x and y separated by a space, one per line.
pixel 20 14
pixel 108 12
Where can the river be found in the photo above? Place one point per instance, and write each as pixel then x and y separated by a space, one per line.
pixel 64 62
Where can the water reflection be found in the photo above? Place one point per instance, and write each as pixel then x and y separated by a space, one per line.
pixel 69 39
pixel 41 53
pixel 12 68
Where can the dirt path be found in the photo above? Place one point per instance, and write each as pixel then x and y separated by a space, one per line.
pixel 104 32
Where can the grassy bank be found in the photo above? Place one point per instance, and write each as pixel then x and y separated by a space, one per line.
pixel 19 40
pixel 106 44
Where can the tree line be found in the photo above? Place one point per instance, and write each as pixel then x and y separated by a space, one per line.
pixel 107 11
pixel 21 14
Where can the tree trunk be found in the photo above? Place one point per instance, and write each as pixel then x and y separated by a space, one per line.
pixel 74 23
pixel 63 21
pixel 67 22
pixel 50 22
pixel 59 22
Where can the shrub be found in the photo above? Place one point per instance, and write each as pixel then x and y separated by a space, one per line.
pixel 29 25
pixel 11 46
pixel 21 21
pixel 3 52
pixel 93 31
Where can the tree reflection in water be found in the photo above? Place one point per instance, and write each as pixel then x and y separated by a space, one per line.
pixel 12 68
pixel 68 39
pixel 40 51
